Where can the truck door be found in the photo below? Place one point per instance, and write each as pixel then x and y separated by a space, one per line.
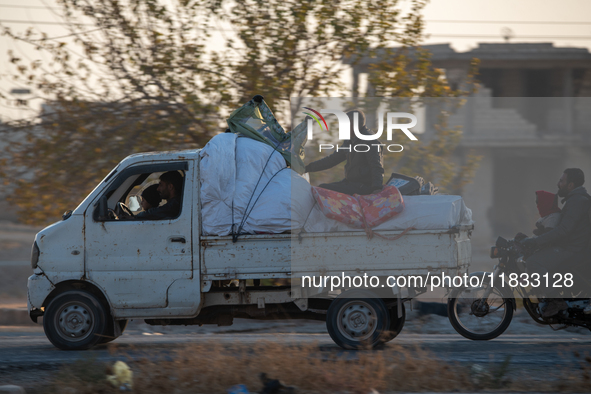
pixel 136 261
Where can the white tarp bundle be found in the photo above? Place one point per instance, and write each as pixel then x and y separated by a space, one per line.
pixel 231 167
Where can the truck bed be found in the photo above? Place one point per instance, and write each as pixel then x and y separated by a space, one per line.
pixel 417 252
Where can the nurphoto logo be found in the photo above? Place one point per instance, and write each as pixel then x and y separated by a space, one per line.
pixel 392 123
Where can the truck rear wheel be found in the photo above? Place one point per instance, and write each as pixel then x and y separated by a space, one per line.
pixel 357 321
pixel 74 320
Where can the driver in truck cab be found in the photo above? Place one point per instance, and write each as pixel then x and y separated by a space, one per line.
pixel 150 198
pixel 169 188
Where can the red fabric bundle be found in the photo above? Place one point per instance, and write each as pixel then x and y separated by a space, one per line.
pixel 360 211
pixel 547 203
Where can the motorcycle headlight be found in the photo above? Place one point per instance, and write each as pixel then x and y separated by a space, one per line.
pixel 34 255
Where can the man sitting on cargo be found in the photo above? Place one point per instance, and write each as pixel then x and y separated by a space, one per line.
pixel 364 170
pixel 169 188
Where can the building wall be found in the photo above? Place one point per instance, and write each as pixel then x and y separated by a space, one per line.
pixel 478 196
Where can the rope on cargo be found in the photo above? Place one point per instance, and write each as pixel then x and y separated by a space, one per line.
pixel 234 194
pixel 303 228
pixel 236 234
pixel 370 233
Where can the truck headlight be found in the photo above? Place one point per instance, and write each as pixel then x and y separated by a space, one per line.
pixel 34 255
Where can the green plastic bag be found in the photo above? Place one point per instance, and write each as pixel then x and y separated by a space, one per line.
pixel 256 120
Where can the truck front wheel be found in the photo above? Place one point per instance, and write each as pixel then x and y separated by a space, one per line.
pixel 357 323
pixel 74 320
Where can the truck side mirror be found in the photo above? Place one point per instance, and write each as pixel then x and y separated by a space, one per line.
pixel 66 215
pixel 103 209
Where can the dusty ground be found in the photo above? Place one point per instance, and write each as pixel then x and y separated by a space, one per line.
pixel 217 361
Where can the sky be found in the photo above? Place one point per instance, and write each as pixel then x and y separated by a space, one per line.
pixel 461 23
pixel 464 23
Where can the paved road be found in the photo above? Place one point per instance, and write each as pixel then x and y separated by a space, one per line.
pixel 28 347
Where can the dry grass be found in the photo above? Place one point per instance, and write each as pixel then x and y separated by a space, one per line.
pixel 577 379
pixel 215 368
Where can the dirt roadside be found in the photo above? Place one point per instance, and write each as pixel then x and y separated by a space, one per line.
pixel 15 267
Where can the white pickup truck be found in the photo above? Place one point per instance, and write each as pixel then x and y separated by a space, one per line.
pixel 93 273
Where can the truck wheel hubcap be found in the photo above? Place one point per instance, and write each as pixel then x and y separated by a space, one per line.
pixel 357 320
pixel 74 321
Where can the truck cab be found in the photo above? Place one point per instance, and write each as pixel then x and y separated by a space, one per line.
pixel 131 267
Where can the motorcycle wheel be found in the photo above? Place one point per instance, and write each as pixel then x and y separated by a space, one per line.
pixel 478 319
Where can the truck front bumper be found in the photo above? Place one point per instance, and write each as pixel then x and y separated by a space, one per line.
pixel 39 287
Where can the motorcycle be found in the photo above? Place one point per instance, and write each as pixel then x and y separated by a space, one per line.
pixel 483 311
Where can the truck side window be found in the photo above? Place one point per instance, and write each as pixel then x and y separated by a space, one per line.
pixel 140 195
pixel 163 201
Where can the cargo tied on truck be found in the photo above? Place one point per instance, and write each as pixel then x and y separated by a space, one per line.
pixel 248 236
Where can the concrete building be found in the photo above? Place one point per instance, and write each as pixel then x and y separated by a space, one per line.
pixel 529 121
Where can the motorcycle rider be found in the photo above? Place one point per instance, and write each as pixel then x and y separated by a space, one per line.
pixel 564 247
